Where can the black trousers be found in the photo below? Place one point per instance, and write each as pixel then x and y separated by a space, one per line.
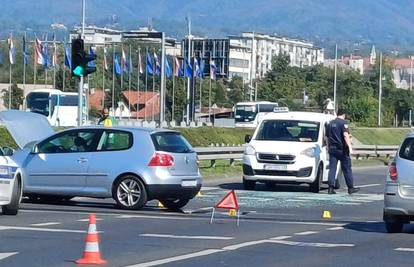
pixel 336 155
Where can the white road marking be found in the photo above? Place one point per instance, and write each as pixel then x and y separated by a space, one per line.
pixel 87 220
pixel 45 224
pixel 6 255
pixel 278 240
pixel 177 258
pixel 304 244
pixel 281 237
pixel 405 249
pixel 188 237
pixel 180 217
pixel 335 228
pixel 307 233
pixel 40 229
pixel 368 185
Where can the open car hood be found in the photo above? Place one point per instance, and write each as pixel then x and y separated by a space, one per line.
pixel 26 127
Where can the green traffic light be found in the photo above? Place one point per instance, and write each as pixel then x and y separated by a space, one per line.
pixel 78 71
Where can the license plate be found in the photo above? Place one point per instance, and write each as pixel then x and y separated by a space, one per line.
pixel 275 167
pixel 189 183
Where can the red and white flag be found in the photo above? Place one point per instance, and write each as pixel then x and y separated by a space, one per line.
pixel 176 67
pixel 123 61
pixel 38 52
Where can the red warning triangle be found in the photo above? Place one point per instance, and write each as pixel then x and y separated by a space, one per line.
pixel 229 201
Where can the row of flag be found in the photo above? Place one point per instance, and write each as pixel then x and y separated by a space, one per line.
pixel 193 68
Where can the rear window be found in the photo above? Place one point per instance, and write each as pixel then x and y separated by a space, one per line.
pixel 407 149
pixel 171 142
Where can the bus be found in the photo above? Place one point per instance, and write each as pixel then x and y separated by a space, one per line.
pixel 60 108
pixel 248 114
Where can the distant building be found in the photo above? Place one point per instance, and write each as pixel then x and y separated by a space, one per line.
pixel 403 73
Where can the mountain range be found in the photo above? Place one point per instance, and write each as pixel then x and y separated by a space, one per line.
pixel 381 22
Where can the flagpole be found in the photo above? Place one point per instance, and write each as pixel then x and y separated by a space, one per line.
pixel 64 78
pixel 209 92
pixel 54 61
pixel 154 67
pixel 129 82
pixel 122 68
pixel 103 78
pixel 34 61
pixel 24 62
pixel 113 79
pixel 146 86
pixel 173 90
pixel 10 86
pixel 138 74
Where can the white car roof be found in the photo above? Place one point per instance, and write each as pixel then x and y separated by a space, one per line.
pixel 296 115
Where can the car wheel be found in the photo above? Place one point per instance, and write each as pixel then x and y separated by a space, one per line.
pixel 394 227
pixel 174 204
pixel 129 193
pixel 248 185
pixel 315 186
pixel 13 207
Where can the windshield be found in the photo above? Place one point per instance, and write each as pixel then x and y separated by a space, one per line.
pixel 245 112
pixel 288 130
pixel 38 103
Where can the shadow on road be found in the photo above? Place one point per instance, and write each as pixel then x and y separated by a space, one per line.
pixel 375 227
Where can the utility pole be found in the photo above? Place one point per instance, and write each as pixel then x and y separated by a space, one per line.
pixel 411 73
pixel 251 69
pixel 80 89
pixel 380 91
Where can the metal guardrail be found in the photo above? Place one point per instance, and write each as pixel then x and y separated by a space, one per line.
pixel 233 153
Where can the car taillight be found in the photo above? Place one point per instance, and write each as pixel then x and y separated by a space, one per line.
pixel 161 160
pixel 393 172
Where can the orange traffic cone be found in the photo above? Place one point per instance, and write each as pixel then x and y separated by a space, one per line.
pixel 91 254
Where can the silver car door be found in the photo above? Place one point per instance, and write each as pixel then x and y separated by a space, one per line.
pixel 59 164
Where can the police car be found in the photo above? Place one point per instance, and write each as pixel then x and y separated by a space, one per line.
pixel 10 183
pixel 287 147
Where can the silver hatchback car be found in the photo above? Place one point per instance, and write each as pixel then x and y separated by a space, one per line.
pixel 399 188
pixel 130 165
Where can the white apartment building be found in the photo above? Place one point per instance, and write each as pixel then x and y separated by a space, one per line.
pixel 98 36
pixel 240 58
pixel 265 47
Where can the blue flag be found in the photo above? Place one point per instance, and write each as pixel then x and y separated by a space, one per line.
pixel 92 63
pixel 157 64
pixel 202 67
pixel 25 53
pixel 196 68
pixel 188 69
pixel 45 54
pixel 150 69
pixel 117 66
pixel 68 62
pixel 168 71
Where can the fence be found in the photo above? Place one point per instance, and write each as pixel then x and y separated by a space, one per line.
pixel 233 153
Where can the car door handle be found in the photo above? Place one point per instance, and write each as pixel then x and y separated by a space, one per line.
pixel 82 160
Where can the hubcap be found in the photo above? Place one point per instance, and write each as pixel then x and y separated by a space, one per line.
pixel 128 192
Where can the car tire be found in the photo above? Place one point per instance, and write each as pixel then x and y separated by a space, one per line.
pixel 13 207
pixel 248 184
pixel 129 193
pixel 394 226
pixel 174 204
pixel 315 186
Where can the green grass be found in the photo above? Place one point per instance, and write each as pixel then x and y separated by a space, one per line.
pixel 380 136
pixel 222 169
pixel 205 136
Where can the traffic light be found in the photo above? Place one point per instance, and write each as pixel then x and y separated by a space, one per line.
pixel 80 59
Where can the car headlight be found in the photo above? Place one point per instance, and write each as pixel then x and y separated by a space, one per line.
pixel 310 152
pixel 4 170
pixel 249 150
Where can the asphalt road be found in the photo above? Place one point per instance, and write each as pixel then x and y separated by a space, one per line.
pixel 280 226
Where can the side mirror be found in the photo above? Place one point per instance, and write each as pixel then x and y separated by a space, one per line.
pixel 7 151
pixel 247 138
pixel 35 150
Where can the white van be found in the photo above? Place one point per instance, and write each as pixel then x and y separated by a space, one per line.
pixel 288 147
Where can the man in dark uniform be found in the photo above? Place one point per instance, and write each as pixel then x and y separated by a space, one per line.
pixel 340 149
